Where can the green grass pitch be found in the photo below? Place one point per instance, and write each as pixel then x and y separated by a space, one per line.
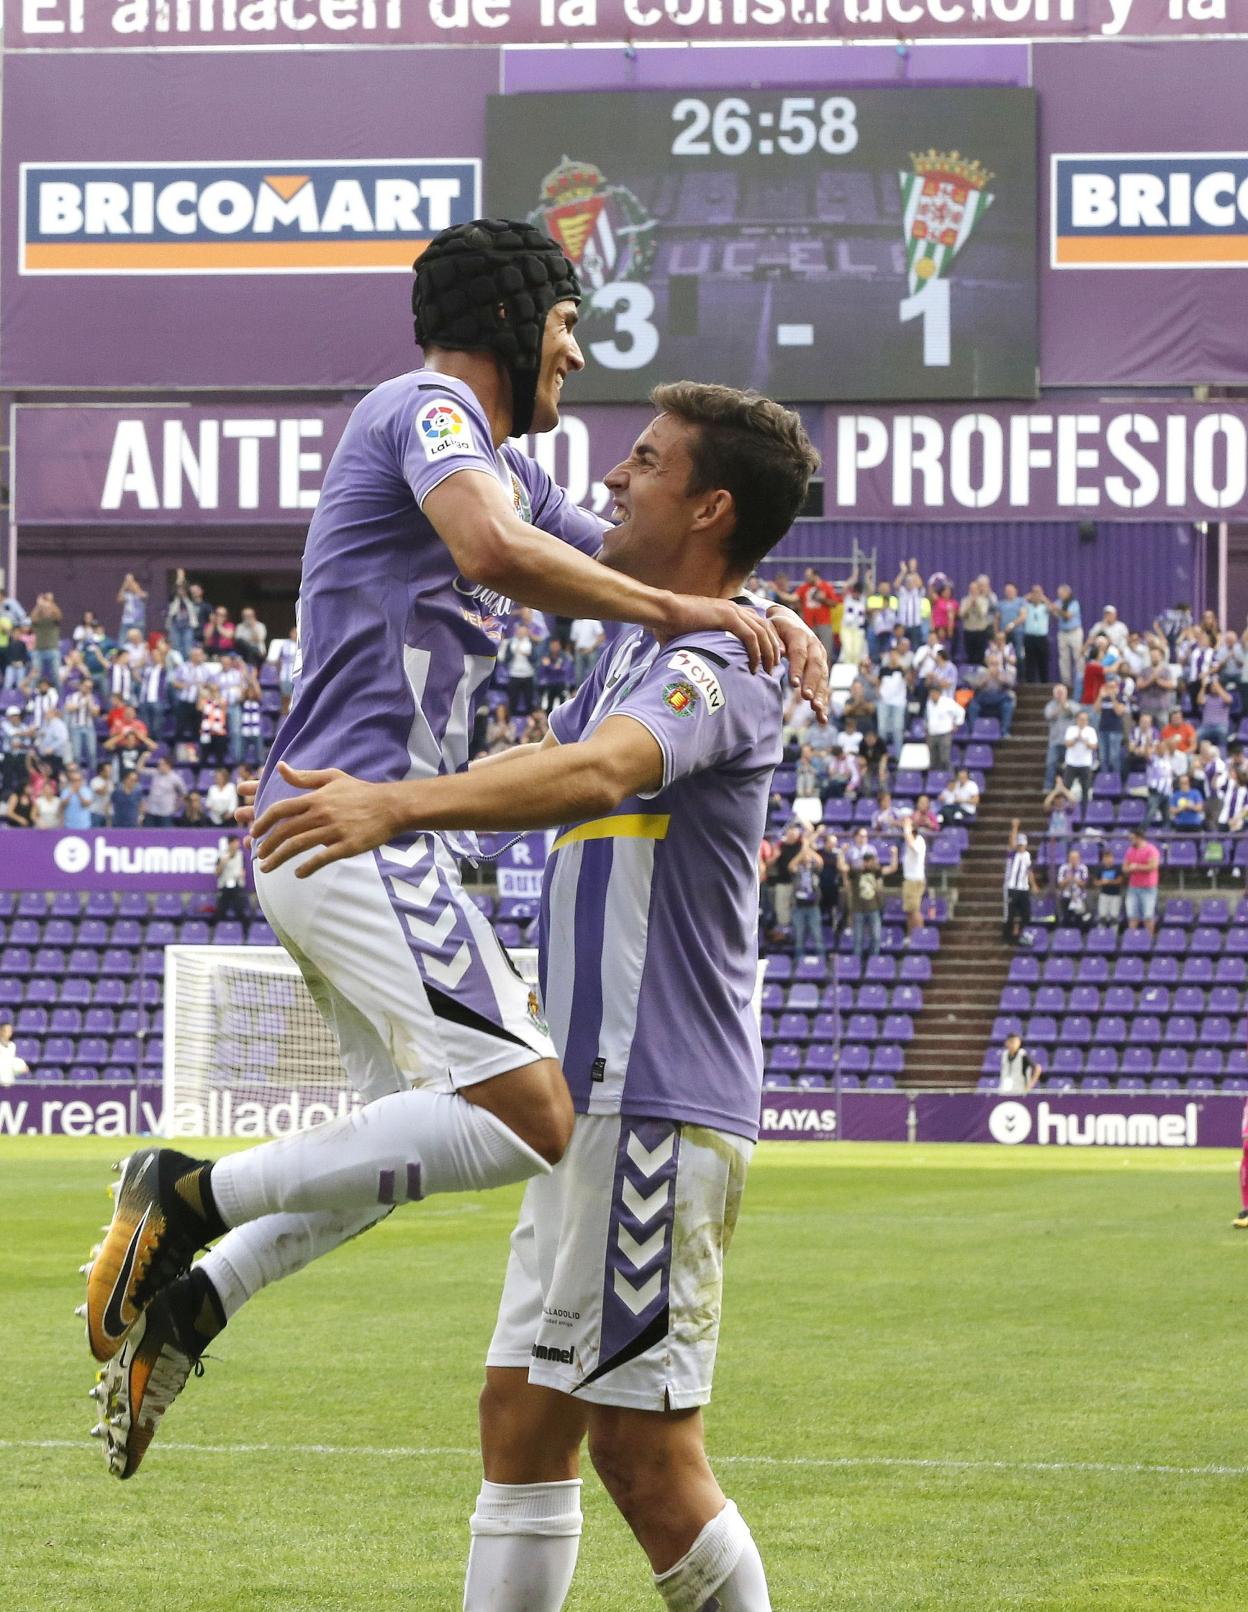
pixel 955 1378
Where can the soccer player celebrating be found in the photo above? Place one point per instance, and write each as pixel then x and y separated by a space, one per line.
pixel 426 528
pixel 658 773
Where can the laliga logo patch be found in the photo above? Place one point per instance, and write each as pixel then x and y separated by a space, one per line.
pixel 443 429
pixel 701 676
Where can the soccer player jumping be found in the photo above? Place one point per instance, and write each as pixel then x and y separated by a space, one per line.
pixel 658 774
pixel 428 525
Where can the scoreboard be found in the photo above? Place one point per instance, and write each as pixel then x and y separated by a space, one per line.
pixel 867 245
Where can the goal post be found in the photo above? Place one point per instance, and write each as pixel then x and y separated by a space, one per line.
pixel 246 1051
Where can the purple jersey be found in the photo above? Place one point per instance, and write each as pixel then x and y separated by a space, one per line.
pixel 395 645
pixel 649 925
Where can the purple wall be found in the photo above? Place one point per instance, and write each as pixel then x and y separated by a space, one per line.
pixel 1141 569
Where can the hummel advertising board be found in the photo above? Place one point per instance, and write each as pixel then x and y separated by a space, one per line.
pixel 864 244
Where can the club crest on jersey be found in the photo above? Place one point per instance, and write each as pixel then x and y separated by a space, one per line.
pixel 443 429
pixel 680 696
pixel 520 498
pixel 535 1014
pixel 701 676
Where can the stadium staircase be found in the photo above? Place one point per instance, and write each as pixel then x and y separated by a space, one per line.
pixel 952 1032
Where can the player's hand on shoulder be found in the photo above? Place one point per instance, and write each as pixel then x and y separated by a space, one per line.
pixel 689 613
pixel 342 815
pixel 246 813
pixel 807 658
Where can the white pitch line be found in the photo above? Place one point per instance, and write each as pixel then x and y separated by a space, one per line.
pixel 847 1462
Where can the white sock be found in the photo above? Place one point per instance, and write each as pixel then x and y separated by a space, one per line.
pixel 263 1251
pixel 720 1572
pixel 525 1537
pixel 403 1147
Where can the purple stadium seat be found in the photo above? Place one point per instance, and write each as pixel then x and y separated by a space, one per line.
pixel 1181 1030
pixel 862 1027
pixel 12 991
pixel 1206 939
pixel 125 1052
pixel 784 1058
pixel 1016 999
pixel 1098 814
pixel 15 960
pixel 1180 854
pixel 65 1021
pixel 803 996
pixel 1118 999
pixel 1231 971
pixel 1155 999
pixel 1102 938
pixel 1173 1061
pixel 1172 942
pixel 1146 1029
pixel 821 1058
pixel 1202 1083
pixel 872 998
pixel 32 904
pixel 1084 999
pixel 1237 940
pixel 887 1060
pixel 793 1027
pixel 93 932
pixel 228 932
pixel 772 998
pixel 1162 970
pixel 1049 999
pixel 1179 910
pixel 1166 1083
pixel 987 1082
pixel 110 992
pixel 880 970
pixel 1094 1083
pixel 1217 1030
pixel 1024 970
pixel 117 960
pixel 907 999
pixel 767 1026
pixel 1188 999
pixel 31 1021
pixel 915 970
pixel 855 1060
pixel 811 968
pixel 779 967
pixel 1006 1024
pixel 511 935
pixel 1040 1027
pixel 1137 1060
pixel 167 904
pixel 1059 971
pixel 195 932
pixel 848 970
pixel 84 1072
pixel 1066 943
pixel 1128 971
pixel 881 1083
pixel 1102 1061
pixel 74 992
pixel 260 934
pixel 1137 940
pixel 1067 1062
pixel 1106 786
pixel 777 1082
pixel 1111 1029
pixel 41 990
pixel 1209 1062
pixel 1076 1029
pixel 100 904
pixel 1132 1083
pixel 1224 999
pixel 897 1027
pixel 91 1049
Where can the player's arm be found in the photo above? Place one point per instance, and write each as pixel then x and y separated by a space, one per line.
pixel 493 546
pixel 515 751
pixel 570 783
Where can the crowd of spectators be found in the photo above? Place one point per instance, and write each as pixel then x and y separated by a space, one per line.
pixel 153 722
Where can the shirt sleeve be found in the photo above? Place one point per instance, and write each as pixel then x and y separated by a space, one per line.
pixel 438 434
pixel 703 705
pixel 568 721
pixel 551 508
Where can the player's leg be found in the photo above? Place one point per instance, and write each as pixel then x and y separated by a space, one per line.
pixel 526 1526
pixel 653 1464
pixel 410 953
pixel 630 1327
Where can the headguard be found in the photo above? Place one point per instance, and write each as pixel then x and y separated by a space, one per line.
pixel 487 286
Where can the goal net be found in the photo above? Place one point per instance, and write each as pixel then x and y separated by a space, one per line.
pixel 246 1051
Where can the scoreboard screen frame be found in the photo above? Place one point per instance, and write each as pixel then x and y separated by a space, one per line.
pixel 829 246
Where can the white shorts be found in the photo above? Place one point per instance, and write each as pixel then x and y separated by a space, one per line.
pixel 405 969
pixel 615 1281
